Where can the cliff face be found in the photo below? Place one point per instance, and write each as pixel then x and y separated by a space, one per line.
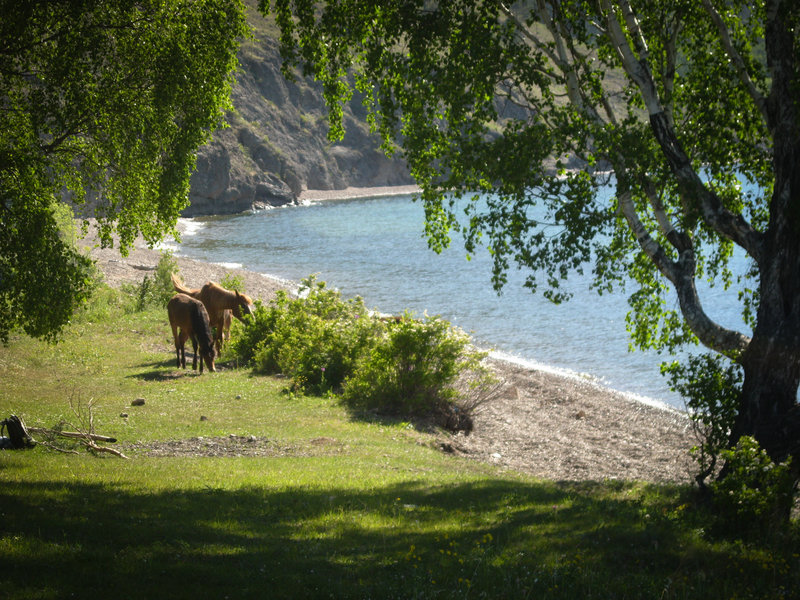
pixel 276 143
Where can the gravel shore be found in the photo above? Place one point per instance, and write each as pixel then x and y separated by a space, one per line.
pixel 551 426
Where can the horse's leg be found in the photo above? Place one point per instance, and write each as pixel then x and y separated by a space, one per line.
pixel 175 342
pixel 182 342
pixel 227 316
pixel 198 357
pixel 219 328
pixel 194 353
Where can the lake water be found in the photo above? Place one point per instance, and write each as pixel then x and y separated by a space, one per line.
pixel 373 247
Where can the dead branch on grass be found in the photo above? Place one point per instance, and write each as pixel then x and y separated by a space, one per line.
pixel 83 430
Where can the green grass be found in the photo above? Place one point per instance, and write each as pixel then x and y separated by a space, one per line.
pixel 379 513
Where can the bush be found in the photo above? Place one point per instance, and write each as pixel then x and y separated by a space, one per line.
pixel 755 495
pixel 155 291
pixel 246 340
pixel 413 369
pixel 324 343
pixel 711 391
pixel 316 339
pixel 752 495
pixel 104 304
pixel 233 282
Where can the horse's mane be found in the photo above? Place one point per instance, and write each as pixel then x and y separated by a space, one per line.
pixel 202 329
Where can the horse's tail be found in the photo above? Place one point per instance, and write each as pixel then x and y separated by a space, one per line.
pixel 202 329
pixel 179 287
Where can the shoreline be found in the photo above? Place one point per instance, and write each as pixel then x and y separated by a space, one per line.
pixel 544 422
pixel 497 355
pixel 185 224
pixel 584 378
pixel 351 193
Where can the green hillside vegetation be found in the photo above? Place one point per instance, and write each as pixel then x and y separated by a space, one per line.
pixel 330 504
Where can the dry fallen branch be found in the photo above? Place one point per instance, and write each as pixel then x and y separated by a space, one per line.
pixel 84 431
pixel 57 449
pixel 96 448
pixel 73 434
pixel 87 439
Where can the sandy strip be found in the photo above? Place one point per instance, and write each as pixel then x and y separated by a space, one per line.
pixel 357 192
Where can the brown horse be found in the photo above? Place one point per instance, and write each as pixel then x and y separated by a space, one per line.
pixel 190 316
pixel 217 301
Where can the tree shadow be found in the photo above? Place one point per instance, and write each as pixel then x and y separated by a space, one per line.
pixel 496 538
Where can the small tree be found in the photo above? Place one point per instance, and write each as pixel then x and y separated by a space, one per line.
pixel 158 289
pixel 711 391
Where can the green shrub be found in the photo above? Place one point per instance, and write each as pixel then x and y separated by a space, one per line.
pixel 155 291
pixel 104 304
pixel 413 369
pixel 315 339
pixel 751 495
pixel 324 343
pixel 233 282
pixel 755 495
pixel 246 340
pixel 711 391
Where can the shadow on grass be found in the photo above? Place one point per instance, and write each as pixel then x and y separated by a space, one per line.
pixel 490 539
pixel 164 370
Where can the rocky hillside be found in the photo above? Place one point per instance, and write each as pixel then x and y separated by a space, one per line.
pixel 276 144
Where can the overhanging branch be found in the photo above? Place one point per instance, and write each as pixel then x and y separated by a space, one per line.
pixel 681 274
pixel 730 225
pixel 736 59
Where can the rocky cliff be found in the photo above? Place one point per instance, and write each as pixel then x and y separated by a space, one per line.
pixel 276 145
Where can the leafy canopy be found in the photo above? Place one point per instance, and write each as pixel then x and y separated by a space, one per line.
pixel 535 103
pixel 103 104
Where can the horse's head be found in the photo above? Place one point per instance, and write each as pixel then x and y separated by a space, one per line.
pixel 208 358
pixel 244 306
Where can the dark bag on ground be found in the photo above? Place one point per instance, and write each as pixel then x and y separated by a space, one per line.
pixel 18 436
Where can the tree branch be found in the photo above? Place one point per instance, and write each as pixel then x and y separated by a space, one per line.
pixel 668 77
pixel 631 47
pixel 682 274
pixel 736 59
pixel 523 29
pixel 664 223
pixel 730 225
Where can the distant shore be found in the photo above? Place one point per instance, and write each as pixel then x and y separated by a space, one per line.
pixel 543 423
pixel 357 192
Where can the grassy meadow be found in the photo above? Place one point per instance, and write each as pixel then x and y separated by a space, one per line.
pixel 341 507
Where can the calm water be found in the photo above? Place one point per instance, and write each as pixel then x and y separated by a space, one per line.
pixel 374 248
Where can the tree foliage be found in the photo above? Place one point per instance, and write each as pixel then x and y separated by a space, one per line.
pixel 104 104
pixel 688 109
